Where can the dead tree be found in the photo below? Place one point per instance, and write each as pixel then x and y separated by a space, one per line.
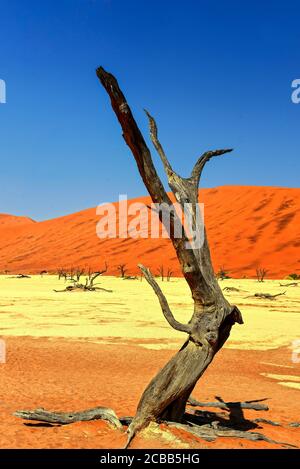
pixel 89 283
pixel 260 274
pixel 169 274
pixel 78 274
pixel 70 274
pixel 222 274
pixel 292 284
pixel 229 289
pixel 266 296
pixel 61 272
pixel 166 396
pixel 21 276
pixel 293 277
pixel 209 327
pixel 92 277
pixel 161 273
pixel 122 269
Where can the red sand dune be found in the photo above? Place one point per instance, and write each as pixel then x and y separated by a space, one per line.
pixel 247 226
pixel 12 220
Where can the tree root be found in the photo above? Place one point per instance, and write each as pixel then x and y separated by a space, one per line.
pixel 211 432
pixel 65 418
pixel 206 426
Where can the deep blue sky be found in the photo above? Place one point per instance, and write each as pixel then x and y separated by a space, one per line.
pixel 213 73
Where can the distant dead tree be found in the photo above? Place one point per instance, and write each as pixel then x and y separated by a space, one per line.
pixel 231 289
pixel 293 277
pixel 21 276
pixel 89 272
pixel 212 318
pixel 161 273
pixel 291 284
pixel 70 274
pixel 169 274
pixel 62 273
pixel 78 273
pixel 43 272
pixel 266 296
pixel 92 275
pixel 89 284
pixel 260 274
pixel 222 274
pixel 122 269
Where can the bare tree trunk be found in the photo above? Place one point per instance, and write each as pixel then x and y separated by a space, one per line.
pixel 166 395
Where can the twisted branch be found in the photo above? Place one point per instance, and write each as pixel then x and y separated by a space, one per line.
pixel 157 144
pixel 198 168
pixel 65 418
pixel 163 302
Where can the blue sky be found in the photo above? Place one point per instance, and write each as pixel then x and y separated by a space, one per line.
pixel 213 73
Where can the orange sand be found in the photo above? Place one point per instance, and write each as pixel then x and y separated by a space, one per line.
pixel 71 375
pixel 247 226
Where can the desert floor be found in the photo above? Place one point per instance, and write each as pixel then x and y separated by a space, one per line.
pixel 71 351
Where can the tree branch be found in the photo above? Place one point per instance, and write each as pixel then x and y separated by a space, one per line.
pixel 133 137
pixel 198 168
pixel 163 302
pixel 64 418
pixel 195 263
pixel 157 145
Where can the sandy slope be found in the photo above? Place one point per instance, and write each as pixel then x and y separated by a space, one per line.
pixel 7 220
pixel 246 226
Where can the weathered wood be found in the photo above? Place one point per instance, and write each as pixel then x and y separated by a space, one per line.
pixel 80 287
pixel 266 296
pixel 254 405
pixel 269 422
pixel 89 282
pixel 205 426
pixel 211 432
pixel 21 276
pixel 292 284
pixel 233 289
pixel 213 316
pixel 65 418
